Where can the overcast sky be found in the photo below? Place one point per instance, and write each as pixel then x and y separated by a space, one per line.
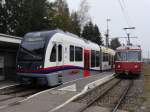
pixel 138 15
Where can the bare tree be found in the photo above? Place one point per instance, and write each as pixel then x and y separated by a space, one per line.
pixel 84 13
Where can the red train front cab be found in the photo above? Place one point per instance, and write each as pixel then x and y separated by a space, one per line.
pixel 128 60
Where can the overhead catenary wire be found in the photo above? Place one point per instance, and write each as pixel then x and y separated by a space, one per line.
pixel 124 12
pixel 124 4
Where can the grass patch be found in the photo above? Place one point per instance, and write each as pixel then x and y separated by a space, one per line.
pixel 146 72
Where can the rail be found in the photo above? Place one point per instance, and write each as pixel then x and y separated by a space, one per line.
pixel 115 108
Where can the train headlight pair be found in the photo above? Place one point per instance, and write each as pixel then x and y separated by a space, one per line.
pixel 19 66
pixel 38 67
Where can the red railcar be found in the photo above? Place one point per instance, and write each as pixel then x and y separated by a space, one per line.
pixel 128 60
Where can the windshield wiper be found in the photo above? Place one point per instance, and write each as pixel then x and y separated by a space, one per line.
pixel 30 53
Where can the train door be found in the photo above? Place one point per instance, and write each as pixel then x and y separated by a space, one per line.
pixel 56 59
pixel 60 60
pixel 86 62
pixel 60 56
pixel 2 75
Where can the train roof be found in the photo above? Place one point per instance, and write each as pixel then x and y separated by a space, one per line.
pixel 129 47
pixel 49 34
pixel 10 38
pixel 108 50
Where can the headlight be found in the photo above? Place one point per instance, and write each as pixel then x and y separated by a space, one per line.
pixel 38 67
pixel 135 66
pixel 118 66
pixel 19 66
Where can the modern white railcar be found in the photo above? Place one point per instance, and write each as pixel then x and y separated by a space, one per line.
pixel 54 57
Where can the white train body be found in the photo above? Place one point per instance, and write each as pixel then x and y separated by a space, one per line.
pixel 55 57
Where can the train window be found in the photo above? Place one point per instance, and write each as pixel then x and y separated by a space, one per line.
pixel 78 54
pixel 134 56
pixel 105 57
pixel 34 37
pixel 71 53
pixel 139 56
pixel 121 56
pixel 59 52
pixel 93 58
pixel 97 58
pixel 53 54
pixel 110 59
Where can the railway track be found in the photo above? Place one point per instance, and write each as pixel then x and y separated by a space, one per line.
pixel 13 95
pixel 122 96
pixel 96 101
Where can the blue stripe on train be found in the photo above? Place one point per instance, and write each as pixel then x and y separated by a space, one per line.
pixel 56 69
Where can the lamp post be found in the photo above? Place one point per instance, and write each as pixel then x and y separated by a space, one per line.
pixel 107 32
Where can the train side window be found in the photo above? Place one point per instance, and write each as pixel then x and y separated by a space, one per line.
pixel 71 53
pixel 121 56
pixel 93 58
pixel 59 52
pixel 110 59
pixel 53 54
pixel 78 54
pixel 102 56
pixel 105 57
pixel 139 56
pixel 97 58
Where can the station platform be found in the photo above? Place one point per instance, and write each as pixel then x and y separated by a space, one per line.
pixel 51 99
pixel 7 83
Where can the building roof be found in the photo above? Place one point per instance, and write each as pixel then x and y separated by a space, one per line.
pixel 10 39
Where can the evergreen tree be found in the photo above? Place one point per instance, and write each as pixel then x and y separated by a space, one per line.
pixel 115 43
pixel 18 17
pixel 75 24
pixel 32 16
pixel 61 19
pixel 3 17
pixel 7 15
pixel 21 16
pixel 88 31
pixel 91 32
pixel 97 36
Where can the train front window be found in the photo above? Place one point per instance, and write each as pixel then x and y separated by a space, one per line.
pixel 134 56
pixel 32 48
pixel 121 56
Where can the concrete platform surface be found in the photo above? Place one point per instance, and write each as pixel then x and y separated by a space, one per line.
pixel 7 83
pixel 50 99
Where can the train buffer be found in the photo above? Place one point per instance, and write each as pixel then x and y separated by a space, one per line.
pixel 54 99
